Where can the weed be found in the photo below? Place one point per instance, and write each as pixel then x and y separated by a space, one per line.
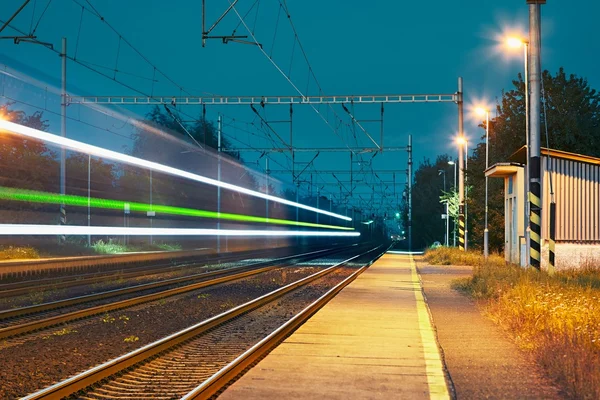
pixel 556 318
pixel 228 304
pixel 169 247
pixel 62 332
pixel 124 318
pixel 18 252
pixel 131 339
pixel 203 295
pixel 108 319
pixel 109 247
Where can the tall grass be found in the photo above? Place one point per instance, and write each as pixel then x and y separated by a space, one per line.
pixel 556 317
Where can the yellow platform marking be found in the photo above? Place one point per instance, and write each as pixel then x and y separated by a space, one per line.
pixel 434 368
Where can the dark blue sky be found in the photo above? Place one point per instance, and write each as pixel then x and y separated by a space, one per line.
pixel 354 47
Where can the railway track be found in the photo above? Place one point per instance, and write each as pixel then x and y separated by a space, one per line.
pixel 215 350
pixel 24 287
pixel 29 319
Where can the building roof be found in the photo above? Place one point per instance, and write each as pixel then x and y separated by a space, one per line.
pixel 501 170
pixel 520 156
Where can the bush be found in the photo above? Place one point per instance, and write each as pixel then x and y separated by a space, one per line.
pixel 18 252
pixel 109 247
pixel 169 247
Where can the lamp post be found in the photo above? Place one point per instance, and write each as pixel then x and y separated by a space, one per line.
pixel 453 163
pixel 466 193
pixel 443 172
pixel 514 42
pixel 462 183
pixel 482 111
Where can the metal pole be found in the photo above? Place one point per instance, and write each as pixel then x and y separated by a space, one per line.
pixel 267 187
pixel 526 200
pixel 466 194
pixel 63 132
pixel 454 244
pixel 443 172
pixel 219 179
pixel 486 250
pixel 447 226
pixel 410 192
pixel 151 216
pixel 89 200
pixel 461 169
pixel 535 203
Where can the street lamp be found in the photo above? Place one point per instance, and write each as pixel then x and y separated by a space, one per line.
pixel 514 42
pixel 440 172
pixel 463 141
pixel 482 111
pixel 453 163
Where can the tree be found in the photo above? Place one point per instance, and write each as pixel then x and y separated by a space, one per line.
pixel 26 163
pixel 427 223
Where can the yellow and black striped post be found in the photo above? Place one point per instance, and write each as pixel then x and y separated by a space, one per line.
pixel 63 221
pixel 461 227
pixel 535 207
pixel 551 254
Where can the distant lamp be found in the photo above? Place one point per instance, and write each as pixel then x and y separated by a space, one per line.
pixel 397 215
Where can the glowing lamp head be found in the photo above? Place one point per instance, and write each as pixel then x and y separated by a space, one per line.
pixel 481 111
pixel 450 162
pixel 514 42
pixel 461 140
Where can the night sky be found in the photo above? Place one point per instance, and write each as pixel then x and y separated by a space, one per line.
pixel 353 47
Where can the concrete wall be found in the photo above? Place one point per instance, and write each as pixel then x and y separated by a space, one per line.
pixel 573 255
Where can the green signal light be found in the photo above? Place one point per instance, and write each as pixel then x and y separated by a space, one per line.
pixel 34 196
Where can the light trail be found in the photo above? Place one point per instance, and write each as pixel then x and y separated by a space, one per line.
pixel 16 129
pixel 35 196
pixel 40 230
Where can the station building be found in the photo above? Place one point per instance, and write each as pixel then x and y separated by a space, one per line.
pixel 575 181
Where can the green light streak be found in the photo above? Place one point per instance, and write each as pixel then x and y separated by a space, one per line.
pixel 34 196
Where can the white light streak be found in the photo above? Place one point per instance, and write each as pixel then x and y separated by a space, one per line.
pixel 17 129
pixel 33 229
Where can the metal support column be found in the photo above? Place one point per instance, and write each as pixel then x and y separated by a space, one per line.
pixel 63 133
pixel 219 126
pixel 486 243
pixel 535 202
pixel 461 169
pixel 410 162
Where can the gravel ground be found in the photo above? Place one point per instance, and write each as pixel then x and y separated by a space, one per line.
pixel 198 359
pixel 35 361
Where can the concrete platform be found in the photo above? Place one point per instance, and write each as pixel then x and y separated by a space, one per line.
pixel 373 340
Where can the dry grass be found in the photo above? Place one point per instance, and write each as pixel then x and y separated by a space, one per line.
pixel 18 252
pixel 557 317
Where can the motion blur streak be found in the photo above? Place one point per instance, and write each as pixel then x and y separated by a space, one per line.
pixel 27 229
pixel 17 129
pixel 34 196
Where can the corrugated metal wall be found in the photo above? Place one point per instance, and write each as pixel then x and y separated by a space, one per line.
pixel 577 195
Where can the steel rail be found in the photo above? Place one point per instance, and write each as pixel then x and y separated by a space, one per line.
pixel 237 367
pixel 19 288
pixel 79 314
pixel 109 368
